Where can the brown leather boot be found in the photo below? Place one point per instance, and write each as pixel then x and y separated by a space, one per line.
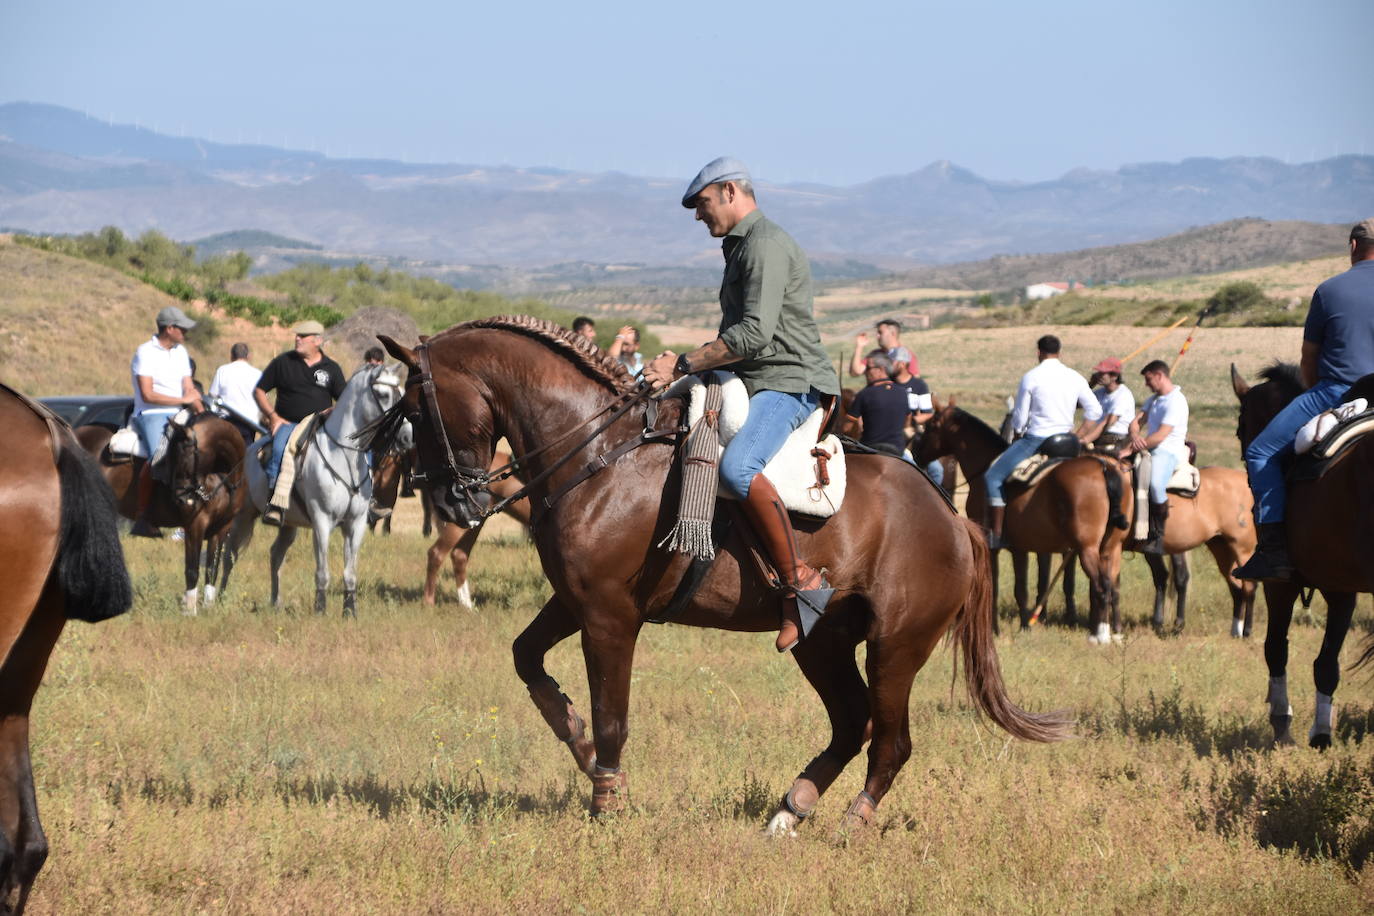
pixel 146 487
pixel 774 527
pixel 996 516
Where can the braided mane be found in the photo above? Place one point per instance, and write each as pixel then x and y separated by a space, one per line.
pixel 578 350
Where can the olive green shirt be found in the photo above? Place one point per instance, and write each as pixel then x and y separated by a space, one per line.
pixel 767 311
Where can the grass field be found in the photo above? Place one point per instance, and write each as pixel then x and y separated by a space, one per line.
pixel 255 761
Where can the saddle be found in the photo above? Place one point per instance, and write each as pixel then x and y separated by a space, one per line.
pixel 1327 436
pixel 1054 450
pixel 808 472
pixel 126 444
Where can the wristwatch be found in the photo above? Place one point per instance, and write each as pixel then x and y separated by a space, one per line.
pixel 683 366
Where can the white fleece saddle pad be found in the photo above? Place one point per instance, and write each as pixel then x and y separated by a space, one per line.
pixel 792 470
pixel 1185 480
pixel 125 443
pixel 1317 430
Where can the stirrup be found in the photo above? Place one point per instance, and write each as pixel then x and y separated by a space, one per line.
pixel 811 604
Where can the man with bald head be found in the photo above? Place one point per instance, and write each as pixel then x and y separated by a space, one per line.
pixel 768 337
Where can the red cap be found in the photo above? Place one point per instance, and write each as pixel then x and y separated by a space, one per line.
pixel 1109 364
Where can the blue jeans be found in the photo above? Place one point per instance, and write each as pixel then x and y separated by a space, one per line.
pixel 1162 465
pixel 278 449
pixel 773 415
pixel 150 427
pixel 1264 457
pixel 1000 469
pixel 936 470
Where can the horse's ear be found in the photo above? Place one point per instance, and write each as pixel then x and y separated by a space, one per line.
pixel 424 338
pixel 404 354
pixel 935 404
pixel 1239 384
pixel 951 401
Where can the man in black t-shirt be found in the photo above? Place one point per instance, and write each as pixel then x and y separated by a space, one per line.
pixel 881 408
pixel 306 381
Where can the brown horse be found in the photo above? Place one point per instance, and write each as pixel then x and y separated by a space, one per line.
pixel 543 388
pixel 455 542
pixel 205 463
pixel 59 558
pixel 1079 506
pixel 1220 517
pixel 1330 524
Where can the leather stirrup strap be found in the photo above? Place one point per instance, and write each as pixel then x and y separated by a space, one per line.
pixel 828 402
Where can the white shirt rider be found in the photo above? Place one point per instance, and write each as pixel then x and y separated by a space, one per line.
pixel 1047 398
pixel 1168 410
pixel 1119 404
pixel 234 382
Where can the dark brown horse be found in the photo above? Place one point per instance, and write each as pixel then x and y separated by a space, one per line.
pixel 59 558
pixel 546 391
pixel 205 463
pixel 1076 507
pixel 1330 524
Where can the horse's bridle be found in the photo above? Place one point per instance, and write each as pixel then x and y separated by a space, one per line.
pixel 465 481
pixel 197 491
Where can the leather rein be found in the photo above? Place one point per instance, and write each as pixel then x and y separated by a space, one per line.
pixel 465 480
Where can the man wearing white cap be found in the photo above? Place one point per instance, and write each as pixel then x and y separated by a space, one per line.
pixel 768 337
pixel 161 373
pixel 306 381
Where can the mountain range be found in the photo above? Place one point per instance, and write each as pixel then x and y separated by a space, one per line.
pixel 62 171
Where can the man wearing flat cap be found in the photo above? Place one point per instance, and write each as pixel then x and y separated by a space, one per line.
pixel 1337 350
pixel 306 381
pixel 161 373
pixel 768 337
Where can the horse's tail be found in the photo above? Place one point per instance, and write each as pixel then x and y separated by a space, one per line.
pixel 90 562
pixel 1115 518
pixel 982 673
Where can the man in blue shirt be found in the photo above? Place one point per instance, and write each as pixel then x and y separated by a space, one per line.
pixel 1337 350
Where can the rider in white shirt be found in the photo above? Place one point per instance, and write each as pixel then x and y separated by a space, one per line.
pixel 1045 404
pixel 161 376
pixel 234 383
pixel 1166 428
pixel 1118 405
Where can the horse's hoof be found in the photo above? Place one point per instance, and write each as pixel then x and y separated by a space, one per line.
pixel 319 602
pixel 783 824
pixel 1319 740
pixel 1283 731
pixel 610 792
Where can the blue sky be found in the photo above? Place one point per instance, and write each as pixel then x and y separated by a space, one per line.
pixel 831 92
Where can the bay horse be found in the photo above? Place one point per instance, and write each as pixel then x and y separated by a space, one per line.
pixel 332 488
pixel 1079 506
pixel 1219 516
pixel 60 559
pixel 1330 524
pixel 203 494
pixel 541 387
pixel 455 543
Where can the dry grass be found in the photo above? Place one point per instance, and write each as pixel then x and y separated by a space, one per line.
pixel 251 761
pixel 1279 281
pixel 69 326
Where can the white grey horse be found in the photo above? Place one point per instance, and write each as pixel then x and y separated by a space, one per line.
pixel 333 483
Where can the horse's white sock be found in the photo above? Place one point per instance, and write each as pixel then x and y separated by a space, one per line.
pixel 189 605
pixel 1278 696
pixel 210 594
pixel 1237 627
pixel 1104 632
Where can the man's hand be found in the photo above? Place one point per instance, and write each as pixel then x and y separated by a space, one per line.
pixel 861 340
pixel 275 423
pixel 660 371
pixel 1138 443
pixel 626 333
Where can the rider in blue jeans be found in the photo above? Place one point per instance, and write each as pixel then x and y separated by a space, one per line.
pixel 1045 403
pixel 1337 351
pixel 768 337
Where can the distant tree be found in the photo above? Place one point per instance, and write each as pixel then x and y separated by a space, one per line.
pixel 1242 296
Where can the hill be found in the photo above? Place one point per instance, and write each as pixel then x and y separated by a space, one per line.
pixel 71 326
pixel 62 171
pixel 249 240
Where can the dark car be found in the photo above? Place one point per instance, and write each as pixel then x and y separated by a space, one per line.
pixel 108 410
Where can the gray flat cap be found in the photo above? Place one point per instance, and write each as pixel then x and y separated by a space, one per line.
pixel 726 168
pixel 173 317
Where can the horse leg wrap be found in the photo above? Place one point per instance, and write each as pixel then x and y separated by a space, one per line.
pixel 861 812
pixel 566 724
pixel 1320 735
pixel 610 790
pixel 351 603
pixel 1280 713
